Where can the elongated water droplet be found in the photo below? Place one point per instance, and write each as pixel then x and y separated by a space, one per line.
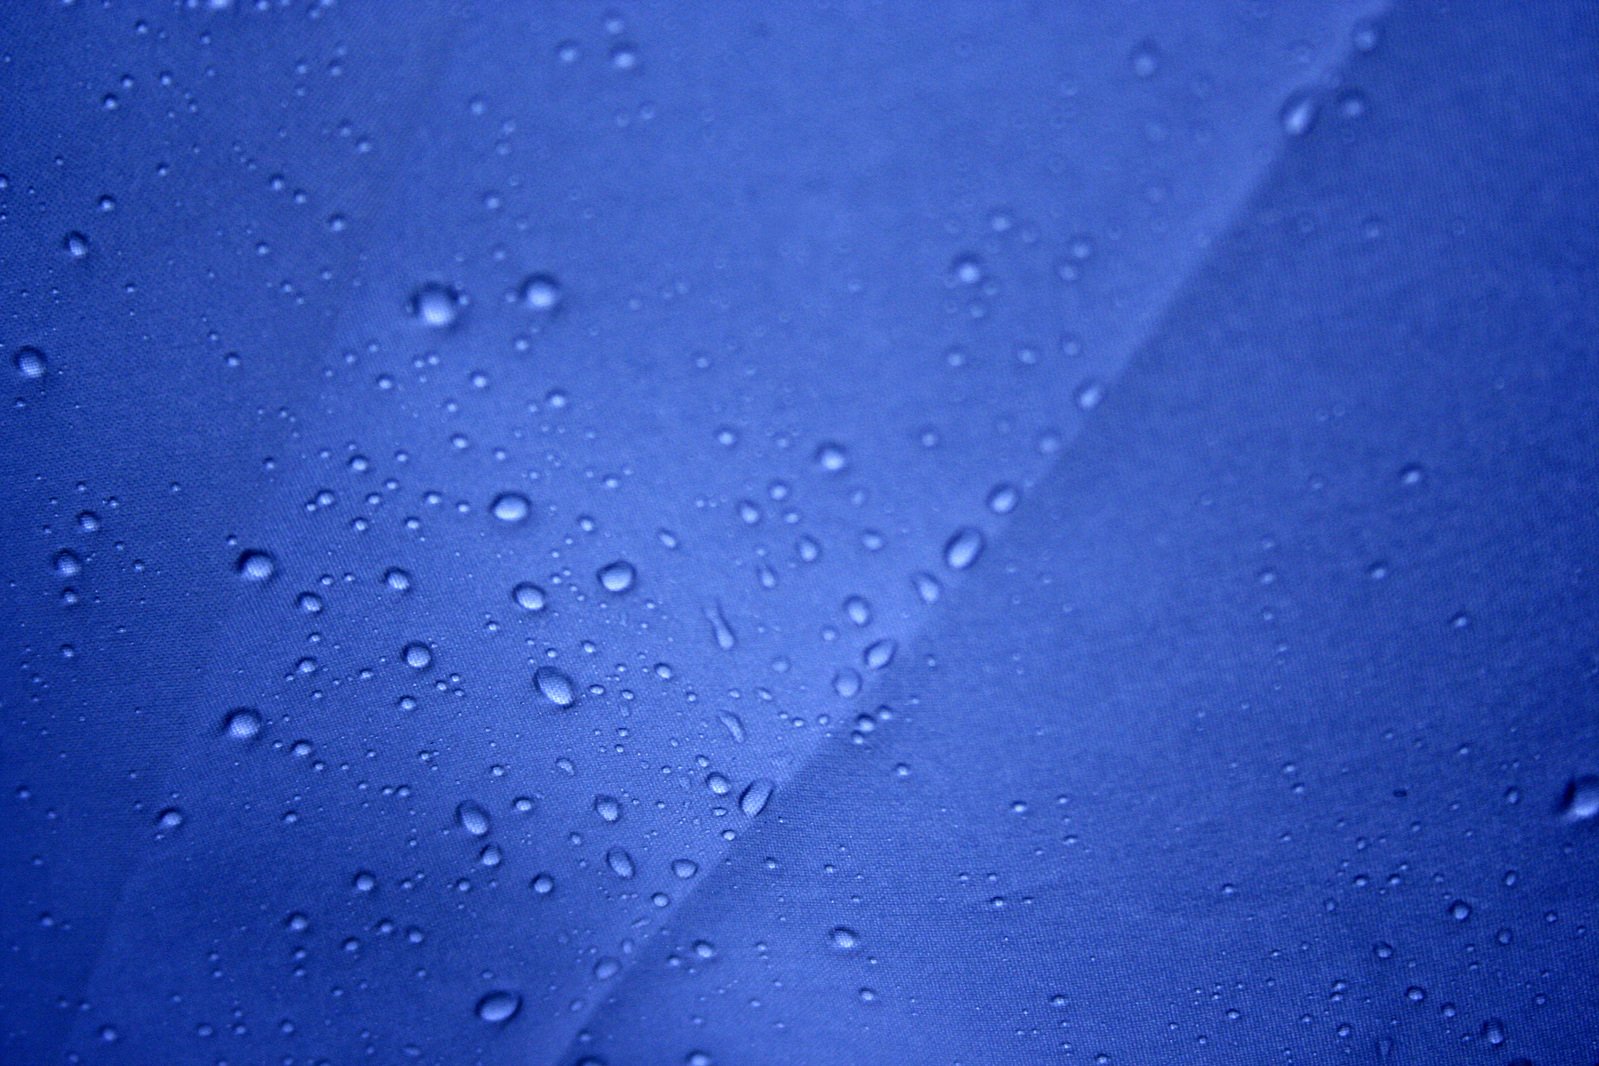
pixel 725 637
pixel 962 549
pixel 757 794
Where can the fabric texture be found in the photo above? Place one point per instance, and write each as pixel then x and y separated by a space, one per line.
pixel 949 533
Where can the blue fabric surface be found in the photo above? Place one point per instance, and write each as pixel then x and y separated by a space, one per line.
pixel 848 533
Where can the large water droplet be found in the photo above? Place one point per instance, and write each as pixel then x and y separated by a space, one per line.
pixel 417 656
pixel 617 576
pixel 962 549
pixel 555 686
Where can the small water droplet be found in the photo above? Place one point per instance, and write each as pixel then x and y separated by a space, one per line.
pixel 1002 499
pixel 832 457
pixel 436 306
pixel 541 293
pixel 843 939
pixel 963 548
pixel 1298 113
pixel 725 637
pixel 609 808
pixel 620 862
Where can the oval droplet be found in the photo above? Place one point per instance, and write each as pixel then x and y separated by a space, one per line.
pixel 555 686
pixel 963 548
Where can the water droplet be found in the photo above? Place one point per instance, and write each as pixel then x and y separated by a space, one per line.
pixel 927 587
pixel 756 796
pixel 1298 113
pixel 879 653
pixel 1460 910
pixel 473 818
pixel 397 579
pixel 609 808
pixel 967 269
pixel 255 566
pixel 725 637
pixel 499 1007
pixel 541 293
pixel 169 819
pixel 555 686
pixel 417 655
pixel 617 576
pixel 529 596
pixel 1090 394
pixel 66 563
pixel 1580 801
pixel 436 306
pixel 511 507
pixel 843 939
pixel 543 884
pixel 832 457
pixel 962 549
pixel 30 363
pixel 1146 59
pixel 620 862
pixel 1002 499
pixel 76 244
pixel 243 723
pixel 683 869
